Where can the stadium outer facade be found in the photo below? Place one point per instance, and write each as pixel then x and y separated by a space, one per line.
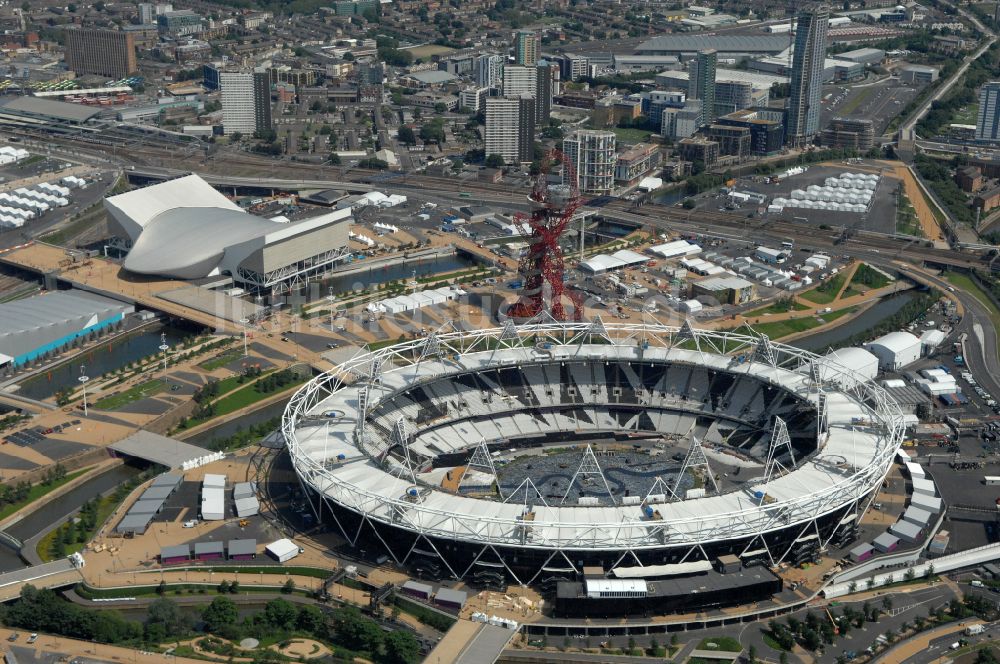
pixel 349 433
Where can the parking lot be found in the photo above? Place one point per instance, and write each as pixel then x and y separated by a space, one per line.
pixel 879 102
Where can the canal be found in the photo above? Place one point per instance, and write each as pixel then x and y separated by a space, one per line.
pixel 61 507
pixel 227 429
pixel 868 319
pixel 104 358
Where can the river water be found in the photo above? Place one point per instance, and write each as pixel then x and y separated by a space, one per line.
pixel 227 429
pixel 379 274
pixel 103 359
pixel 868 319
pixel 58 509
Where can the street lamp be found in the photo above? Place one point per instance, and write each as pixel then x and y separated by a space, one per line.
pixel 331 298
pixel 163 349
pixel 83 381
pixel 244 322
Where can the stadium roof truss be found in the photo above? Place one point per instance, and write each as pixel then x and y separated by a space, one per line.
pixel 861 418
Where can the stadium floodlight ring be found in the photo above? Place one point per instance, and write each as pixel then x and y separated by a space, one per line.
pixel 863 428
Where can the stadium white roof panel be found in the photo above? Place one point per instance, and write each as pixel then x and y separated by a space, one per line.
pixel 350 481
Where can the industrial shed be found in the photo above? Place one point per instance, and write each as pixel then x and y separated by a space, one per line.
pixel 906 531
pixel 603 263
pixel 173 555
pixel 151 506
pixel 136 524
pixel 895 350
pixel 213 504
pixel 417 589
pixel 208 551
pixel 34 326
pixel 886 543
pixel 244 490
pixel 247 506
pixel 924 487
pixel 929 503
pixel 918 517
pixel 242 549
pixel 451 599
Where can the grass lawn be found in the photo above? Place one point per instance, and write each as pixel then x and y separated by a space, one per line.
pixel 779 308
pixel 222 359
pixel 866 278
pixel 105 507
pixel 428 50
pixel 38 490
pixel 631 135
pixel 966 114
pixel 721 643
pixel 783 328
pixel 854 104
pixel 830 289
pixel 140 391
pixel 246 396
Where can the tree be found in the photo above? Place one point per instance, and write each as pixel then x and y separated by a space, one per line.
pixel 407 136
pixel 494 161
pixel 289 587
pixel 162 588
pixel 752 654
pixel 401 647
pixel 373 164
pixel 281 614
pixel 221 613
pixel 234 587
pixel 887 603
pixel 440 108
pixel 357 632
pixel 165 612
pixel 223 588
pixel 433 131
pixel 312 620
pixel 335 159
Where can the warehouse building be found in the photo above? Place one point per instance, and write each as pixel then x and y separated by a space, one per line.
pixel 895 350
pixel 686 46
pixel 185 229
pixel 50 323
pixel 38 112
pixel 725 289
pixel 865 56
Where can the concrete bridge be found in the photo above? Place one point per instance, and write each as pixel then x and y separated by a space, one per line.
pixel 56 574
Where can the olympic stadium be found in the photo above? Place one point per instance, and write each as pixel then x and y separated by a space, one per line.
pixel 537 454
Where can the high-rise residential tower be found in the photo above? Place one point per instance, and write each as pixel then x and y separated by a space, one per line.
pixel 592 154
pixel 246 100
pixel 807 76
pixel 526 48
pixel 510 128
pixel 701 82
pixel 108 53
pixel 988 119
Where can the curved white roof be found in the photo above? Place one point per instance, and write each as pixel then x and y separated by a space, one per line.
pixel 853 359
pixel 189 243
pixel 326 455
pixel 896 341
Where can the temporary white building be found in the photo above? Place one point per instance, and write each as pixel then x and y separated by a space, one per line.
pixel 282 550
pixel 895 350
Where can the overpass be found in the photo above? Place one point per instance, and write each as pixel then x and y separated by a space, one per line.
pixel 24 403
pixel 56 574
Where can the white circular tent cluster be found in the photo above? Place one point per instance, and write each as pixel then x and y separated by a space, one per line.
pixel 362 436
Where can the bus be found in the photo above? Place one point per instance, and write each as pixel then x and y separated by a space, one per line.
pixel 788 244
